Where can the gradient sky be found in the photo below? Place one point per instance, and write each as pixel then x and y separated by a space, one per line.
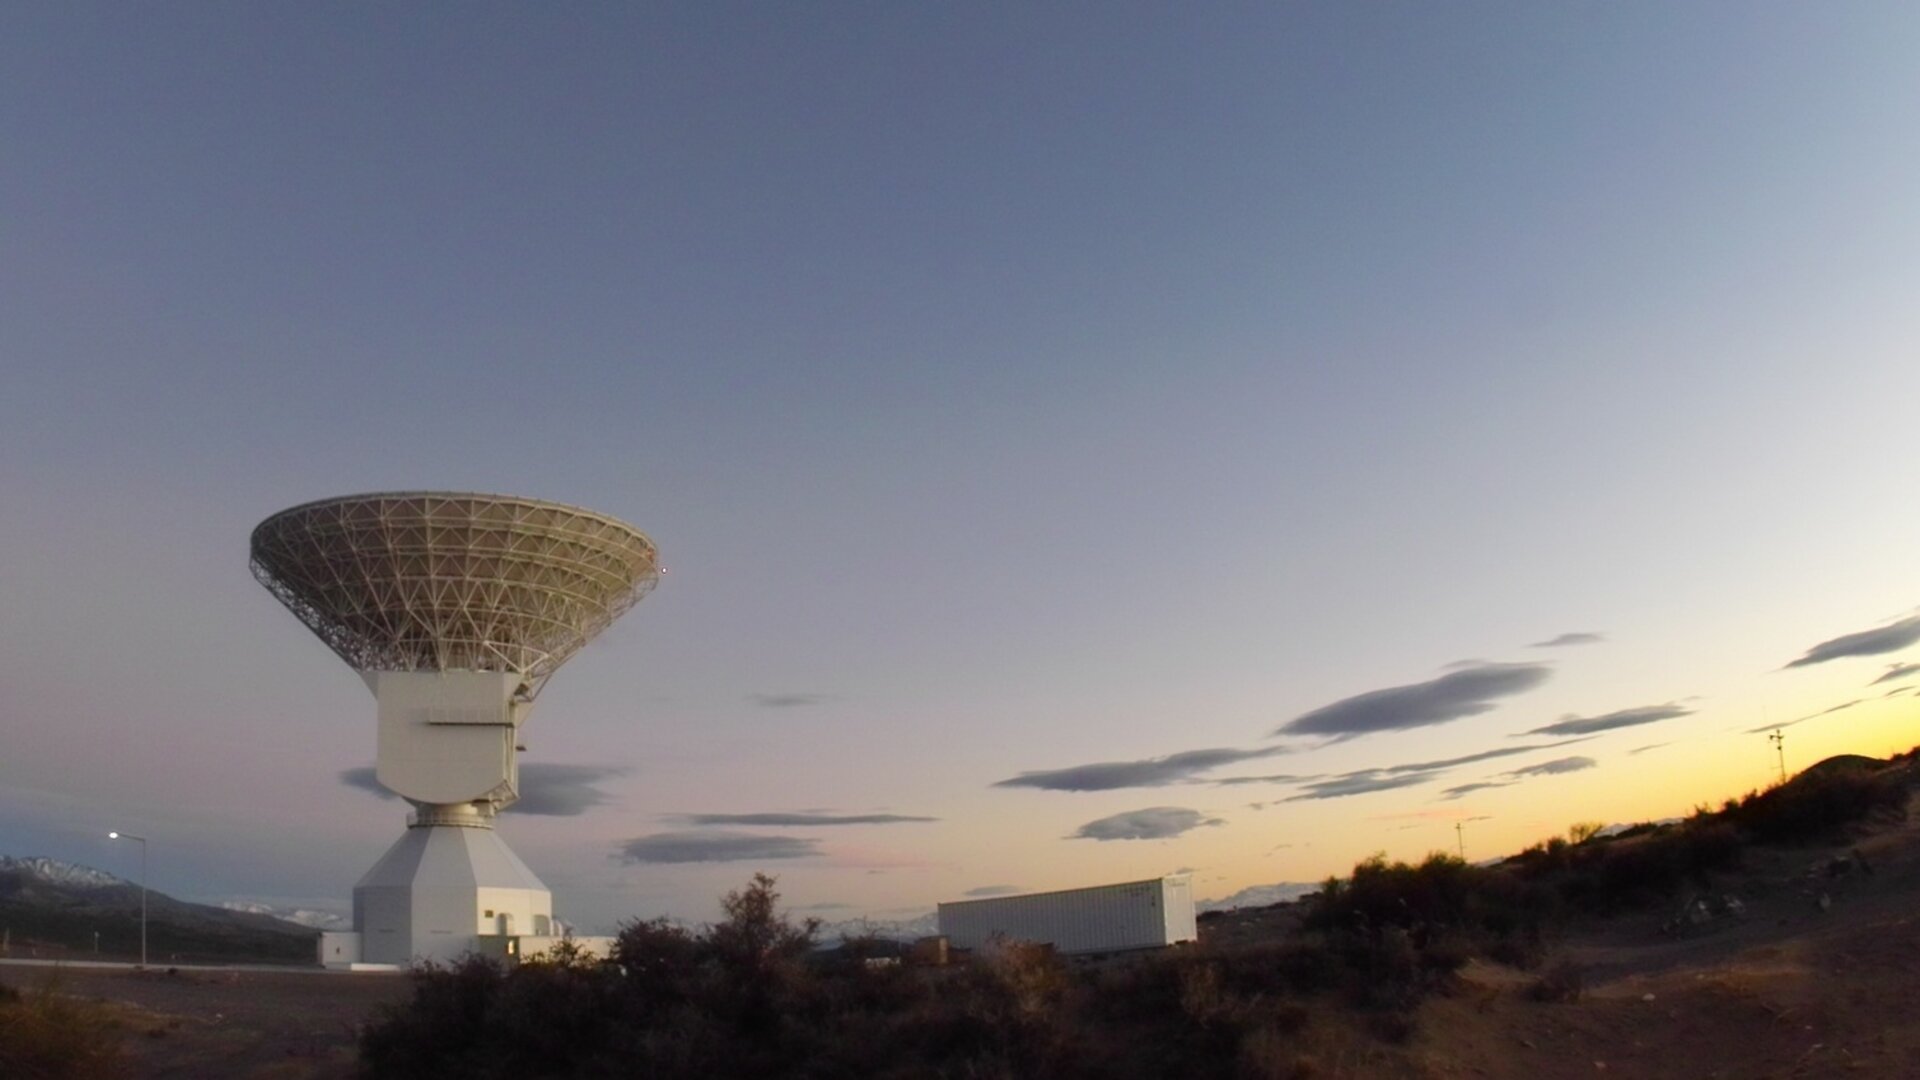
pixel 1009 390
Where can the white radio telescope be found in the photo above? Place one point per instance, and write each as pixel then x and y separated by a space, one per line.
pixel 455 608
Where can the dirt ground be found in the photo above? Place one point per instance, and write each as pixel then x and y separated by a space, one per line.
pixel 240 1024
pixel 1816 977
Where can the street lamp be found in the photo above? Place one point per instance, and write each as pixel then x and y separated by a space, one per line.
pixel 143 889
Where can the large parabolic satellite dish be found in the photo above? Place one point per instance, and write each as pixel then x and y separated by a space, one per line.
pixel 455 608
pixel 445 581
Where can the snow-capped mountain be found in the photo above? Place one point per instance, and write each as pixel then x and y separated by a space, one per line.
pixel 891 929
pixel 1259 896
pixel 308 917
pixel 55 872
pixel 56 904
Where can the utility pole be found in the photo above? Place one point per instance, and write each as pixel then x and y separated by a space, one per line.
pixel 143 890
pixel 1460 835
pixel 1779 741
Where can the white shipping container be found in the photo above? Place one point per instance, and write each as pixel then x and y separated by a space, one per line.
pixel 1103 918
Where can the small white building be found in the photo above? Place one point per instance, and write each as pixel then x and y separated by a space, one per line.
pixel 1146 914
pixel 340 949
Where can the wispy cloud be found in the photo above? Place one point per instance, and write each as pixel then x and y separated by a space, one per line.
pixel 1418 815
pixel 1453 696
pixel 1484 755
pixel 1896 671
pixel 798 820
pixel 1152 823
pixel 1589 725
pixel 1649 746
pixel 1553 768
pixel 1146 772
pixel 1362 783
pixel 788 700
pixel 1842 707
pixel 1478 785
pixel 1880 639
pixel 547 789
pixel 714 847
pixel 1274 778
pixel 1511 777
pixel 991 890
pixel 1572 637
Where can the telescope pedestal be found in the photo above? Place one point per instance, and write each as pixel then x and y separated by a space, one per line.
pixel 449 880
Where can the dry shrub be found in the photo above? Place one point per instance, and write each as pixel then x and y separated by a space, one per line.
pixel 1818 805
pixel 46 1035
pixel 749 997
pixel 1027 979
pixel 1269 1054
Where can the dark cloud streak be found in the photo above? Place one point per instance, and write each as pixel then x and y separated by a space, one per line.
pixel 715 847
pixel 1574 637
pixel 1896 671
pixel 1880 639
pixel 1591 725
pixel 1276 778
pixel 795 820
pixel 1146 772
pixel 788 700
pixel 1152 823
pixel 1480 785
pixel 1842 707
pixel 1365 783
pixel 1484 755
pixel 1556 767
pixel 1453 696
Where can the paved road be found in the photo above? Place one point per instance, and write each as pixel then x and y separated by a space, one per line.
pixel 122 965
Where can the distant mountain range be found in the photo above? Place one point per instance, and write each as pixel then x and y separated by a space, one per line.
pixel 1260 896
pixel 54 908
pixel 911 929
pixel 55 872
pixel 307 917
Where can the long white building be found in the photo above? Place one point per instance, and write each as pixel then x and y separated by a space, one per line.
pixel 1101 918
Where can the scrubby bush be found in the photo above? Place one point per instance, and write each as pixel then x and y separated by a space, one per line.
pixel 1609 877
pixel 750 996
pixel 1818 805
pixel 47 1035
pixel 1444 909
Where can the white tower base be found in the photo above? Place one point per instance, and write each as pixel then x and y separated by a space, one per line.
pixel 442 886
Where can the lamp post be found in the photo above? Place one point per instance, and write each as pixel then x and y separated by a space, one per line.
pixel 143 889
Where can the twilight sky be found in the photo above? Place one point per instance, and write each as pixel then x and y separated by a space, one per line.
pixel 1086 440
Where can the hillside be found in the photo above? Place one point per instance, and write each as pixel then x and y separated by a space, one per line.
pixel 50 908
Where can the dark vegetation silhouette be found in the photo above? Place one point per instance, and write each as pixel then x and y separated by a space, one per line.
pixel 751 995
pixel 48 1035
